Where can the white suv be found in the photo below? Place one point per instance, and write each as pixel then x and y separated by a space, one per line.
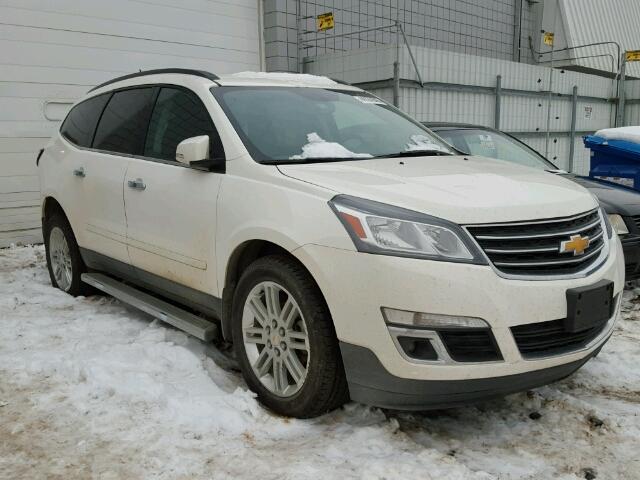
pixel 341 247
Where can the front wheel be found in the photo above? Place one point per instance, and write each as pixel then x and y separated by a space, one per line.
pixel 284 339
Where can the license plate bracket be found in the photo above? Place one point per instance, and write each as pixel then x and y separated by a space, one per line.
pixel 589 306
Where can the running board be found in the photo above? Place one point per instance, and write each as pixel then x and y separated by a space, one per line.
pixel 168 313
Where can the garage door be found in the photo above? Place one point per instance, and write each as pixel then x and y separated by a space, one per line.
pixel 53 52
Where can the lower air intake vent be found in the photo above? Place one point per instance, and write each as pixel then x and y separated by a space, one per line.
pixel 470 345
pixel 546 339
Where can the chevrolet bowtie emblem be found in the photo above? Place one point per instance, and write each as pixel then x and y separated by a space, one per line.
pixel 576 244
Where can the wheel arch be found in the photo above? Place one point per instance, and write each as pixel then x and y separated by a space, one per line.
pixel 241 257
pixel 51 206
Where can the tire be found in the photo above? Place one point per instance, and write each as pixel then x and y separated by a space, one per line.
pixel 323 386
pixel 56 229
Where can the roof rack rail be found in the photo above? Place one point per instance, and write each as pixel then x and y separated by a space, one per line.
pixel 185 71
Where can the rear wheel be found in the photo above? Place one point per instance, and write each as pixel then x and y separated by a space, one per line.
pixel 63 256
pixel 284 340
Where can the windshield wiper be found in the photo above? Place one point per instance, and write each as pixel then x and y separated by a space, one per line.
pixel 408 153
pixel 312 160
pixel 415 153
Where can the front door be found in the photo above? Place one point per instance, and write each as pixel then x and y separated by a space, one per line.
pixel 170 207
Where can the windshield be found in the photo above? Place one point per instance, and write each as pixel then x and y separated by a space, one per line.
pixel 293 124
pixel 489 143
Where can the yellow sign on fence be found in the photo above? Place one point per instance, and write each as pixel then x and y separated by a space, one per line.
pixel 632 55
pixel 548 38
pixel 325 21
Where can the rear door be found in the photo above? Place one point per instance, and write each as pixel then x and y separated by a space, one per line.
pixel 170 207
pixel 66 173
pixel 119 135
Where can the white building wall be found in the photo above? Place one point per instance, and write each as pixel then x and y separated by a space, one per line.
pixel 53 52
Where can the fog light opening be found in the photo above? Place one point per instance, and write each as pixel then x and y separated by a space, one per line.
pixel 418 348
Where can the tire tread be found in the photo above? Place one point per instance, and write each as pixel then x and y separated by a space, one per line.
pixel 332 389
pixel 78 288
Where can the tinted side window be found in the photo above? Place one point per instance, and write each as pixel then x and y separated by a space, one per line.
pixel 80 124
pixel 178 115
pixel 123 125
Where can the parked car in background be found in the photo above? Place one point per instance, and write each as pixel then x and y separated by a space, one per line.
pixel 621 203
pixel 341 247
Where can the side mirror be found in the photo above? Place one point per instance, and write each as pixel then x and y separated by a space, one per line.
pixel 193 149
pixel 194 152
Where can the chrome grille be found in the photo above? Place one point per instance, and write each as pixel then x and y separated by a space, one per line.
pixel 533 248
pixel 636 221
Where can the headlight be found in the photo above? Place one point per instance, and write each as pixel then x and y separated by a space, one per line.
pixel 387 230
pixel 617 223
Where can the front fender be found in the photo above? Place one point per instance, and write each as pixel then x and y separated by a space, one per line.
pixel 271 207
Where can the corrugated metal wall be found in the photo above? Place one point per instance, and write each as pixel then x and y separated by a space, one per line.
pixel 459 88
pixel 53 52
pixel 632 107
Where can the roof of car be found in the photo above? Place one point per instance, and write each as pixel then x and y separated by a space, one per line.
pixel 281 79
pixel 237 79
pixel 159 71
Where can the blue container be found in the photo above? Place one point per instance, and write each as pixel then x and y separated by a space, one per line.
pixel 614 160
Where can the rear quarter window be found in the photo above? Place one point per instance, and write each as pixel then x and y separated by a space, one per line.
pixel 80 124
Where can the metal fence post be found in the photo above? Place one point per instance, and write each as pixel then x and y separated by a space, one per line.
pixel 396 69
pixel 548 132
pixel 413 59
pixel 572 135
pixel 299 35
pixel 621 93
pixel 496 111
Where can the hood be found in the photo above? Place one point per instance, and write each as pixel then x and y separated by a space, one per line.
pixel 613 198
pixel 461 189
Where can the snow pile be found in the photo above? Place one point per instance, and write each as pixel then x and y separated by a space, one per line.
pixel 422 142
pixel 629 134
pixel 90 388
pixel 320 148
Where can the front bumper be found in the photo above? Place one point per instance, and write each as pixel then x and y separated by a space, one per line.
pixel 631 248
pixel 357 285
pixel 371 384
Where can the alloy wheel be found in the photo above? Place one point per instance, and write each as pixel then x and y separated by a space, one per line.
pixel 275 338
pixel 60 258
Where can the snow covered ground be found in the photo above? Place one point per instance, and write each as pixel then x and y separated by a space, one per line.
pixel 90 388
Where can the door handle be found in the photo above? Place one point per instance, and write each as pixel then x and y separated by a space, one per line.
pixel 79 172
pixel 136 184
